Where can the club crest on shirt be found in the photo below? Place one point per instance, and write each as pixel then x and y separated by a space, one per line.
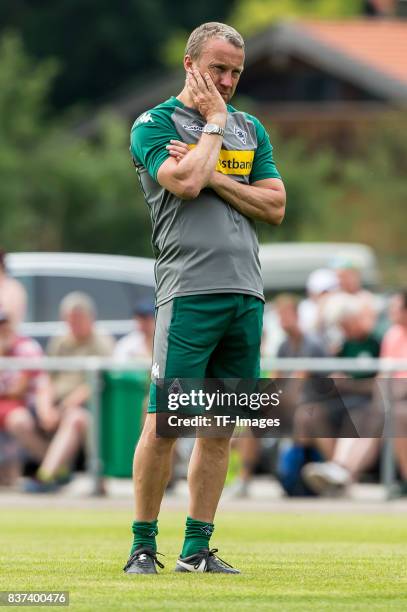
pixel 241 134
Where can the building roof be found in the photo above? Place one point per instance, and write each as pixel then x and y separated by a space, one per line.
pixel 380 44
pixel 369 53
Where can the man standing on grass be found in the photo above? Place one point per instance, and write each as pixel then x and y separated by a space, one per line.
pixel 203 204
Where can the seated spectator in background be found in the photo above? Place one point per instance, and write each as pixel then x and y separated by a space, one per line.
pixel 357 328
pixel 394 343
pixel 296 394
pixel 18 394
pixel 320 284
pixel 296 344
pixel 13 297
pixel 349 277
pixel 348 457
pixel 349 285
pixel 138 344
pixel 69 392
pixel 394 346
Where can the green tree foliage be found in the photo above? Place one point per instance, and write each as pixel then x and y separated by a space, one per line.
pixel 100 45
pixel 57 191
pixel 373 206
pixel 311 191
pixel 62 192
pixel 251 15
pixel 358 198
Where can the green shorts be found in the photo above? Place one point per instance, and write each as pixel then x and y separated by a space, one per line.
pixel 207 336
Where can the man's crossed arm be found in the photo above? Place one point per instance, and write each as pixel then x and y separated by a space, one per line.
pixel 263 200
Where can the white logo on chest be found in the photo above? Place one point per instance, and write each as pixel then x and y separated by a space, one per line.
pixel 241 134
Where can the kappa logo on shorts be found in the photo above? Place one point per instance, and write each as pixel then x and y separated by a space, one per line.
pixel 155 371
pixel 145 118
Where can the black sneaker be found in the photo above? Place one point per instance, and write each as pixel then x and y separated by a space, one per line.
pixel 142 561
pixel 205 561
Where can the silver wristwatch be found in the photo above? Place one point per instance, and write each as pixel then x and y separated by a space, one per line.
pixel 212 128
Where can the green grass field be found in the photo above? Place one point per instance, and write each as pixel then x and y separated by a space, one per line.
pixel 289 562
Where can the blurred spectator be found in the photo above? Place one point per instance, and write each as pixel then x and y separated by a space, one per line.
pixel 394 346
pixel 66 412
pixel 320 283
pixel 357 327
pixel 139 342
pixel 349 285
pixel 347 458
pixel 18 395
pixel 348 276
pixel 13 298
pixel 296 344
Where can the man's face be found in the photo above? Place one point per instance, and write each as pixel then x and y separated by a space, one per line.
pixel 224 62
pixel 288 317
pixel 80 323
pixel 397 311
pixel 349 280
pixel 353 328
pixel 146 325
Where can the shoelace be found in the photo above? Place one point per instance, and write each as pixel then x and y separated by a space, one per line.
pixel 147 552
pixel 211 553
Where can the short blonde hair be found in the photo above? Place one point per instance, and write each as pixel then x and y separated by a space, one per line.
pixel 212 29
pixel 77 301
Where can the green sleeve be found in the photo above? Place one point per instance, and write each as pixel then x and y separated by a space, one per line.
pixel 150 134
pixel 263 163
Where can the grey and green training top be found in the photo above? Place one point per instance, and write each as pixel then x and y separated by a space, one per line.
pixel 202 245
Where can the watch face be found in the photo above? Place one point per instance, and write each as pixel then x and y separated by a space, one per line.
pixel 212 128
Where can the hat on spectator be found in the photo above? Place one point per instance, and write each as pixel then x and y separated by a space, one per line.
pixel 145 308
pixel 341 262
pixel 322 280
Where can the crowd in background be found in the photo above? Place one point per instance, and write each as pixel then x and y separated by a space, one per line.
pixel 44 417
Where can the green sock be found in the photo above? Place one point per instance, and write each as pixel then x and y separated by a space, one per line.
pixel 197 536
pixel 144 535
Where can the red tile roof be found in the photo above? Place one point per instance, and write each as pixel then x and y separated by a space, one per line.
pixel 381 44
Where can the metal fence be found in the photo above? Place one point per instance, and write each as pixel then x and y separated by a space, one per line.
pixel 95 366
